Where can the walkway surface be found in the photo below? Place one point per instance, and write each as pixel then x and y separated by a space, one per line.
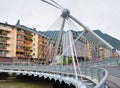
pixel 113 80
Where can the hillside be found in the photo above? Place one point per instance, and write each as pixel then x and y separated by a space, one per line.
pixel 111 40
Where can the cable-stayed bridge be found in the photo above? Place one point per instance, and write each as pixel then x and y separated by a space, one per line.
pixel 74 45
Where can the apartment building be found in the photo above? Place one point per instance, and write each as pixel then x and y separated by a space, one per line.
pixel 7 51
pixel 20 43
pixel 79 46
pixel 83 48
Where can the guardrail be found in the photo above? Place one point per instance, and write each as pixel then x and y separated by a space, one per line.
pixel 95 74
pixel 103 62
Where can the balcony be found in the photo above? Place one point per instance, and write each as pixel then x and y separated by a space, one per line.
pixel 28 49
pixel 3 40
pixel 29 35
pixel 20 55
pixel 4 49
pixel 41 44
pixel 29 39
pixel 20 50
pixel 5 28
pixel 20 39
pixel 20 44
pixel 3 56
pixel 6 43
pixel 28 42
pixel 28 45
pixel 6 36
pixel 20 33
pixel 5 53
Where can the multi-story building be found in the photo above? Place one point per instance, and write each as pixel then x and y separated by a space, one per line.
pixel 80 47
pixel 6 42
pixel 83 48
pixel 20 43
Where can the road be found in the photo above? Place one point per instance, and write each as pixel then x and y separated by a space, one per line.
pixel 113 80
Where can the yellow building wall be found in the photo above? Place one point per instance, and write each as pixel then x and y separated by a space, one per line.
pixel 10 39
pixel 35 45
pixel 89 53
pixel 14 41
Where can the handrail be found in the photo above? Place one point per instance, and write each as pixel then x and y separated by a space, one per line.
pixel 105 62
pixel 102 82
pixel 100 74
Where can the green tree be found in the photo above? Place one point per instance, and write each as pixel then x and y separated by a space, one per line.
pixel 64 61
pixel 4 33
pixel 70 60
pixel 3 46
pixel 3 39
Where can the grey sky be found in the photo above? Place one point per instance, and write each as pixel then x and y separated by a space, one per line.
pixel 97 14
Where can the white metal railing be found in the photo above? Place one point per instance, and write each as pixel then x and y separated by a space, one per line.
pixel 103 62
pixel 95 74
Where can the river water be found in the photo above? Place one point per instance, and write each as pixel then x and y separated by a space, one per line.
pixel 25 84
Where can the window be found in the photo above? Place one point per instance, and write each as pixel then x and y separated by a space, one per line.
pixel 5 53
pixel 0 52
pixel 33 44
pixel 19 30
pixel 0 46
pixel 20 47
pixel 34 39
pixel 33 54
pixel 33 49
pixel 0 39
pixel 20 36
pixel 22 42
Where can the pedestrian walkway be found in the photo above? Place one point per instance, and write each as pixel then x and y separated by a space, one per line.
pixel 113 80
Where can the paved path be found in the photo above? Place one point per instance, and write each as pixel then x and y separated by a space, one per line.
pixel 113 80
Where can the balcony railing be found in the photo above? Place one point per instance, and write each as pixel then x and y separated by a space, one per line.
pixel 20 33
pixel 30 45
pixel 20 39
pixel 20 55
pixel 28 39
pixel 20 44
pixel 29 35
pixel 6 42
pixel 5 28
pixel 20 50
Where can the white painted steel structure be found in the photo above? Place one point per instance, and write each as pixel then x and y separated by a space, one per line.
pixel 61 73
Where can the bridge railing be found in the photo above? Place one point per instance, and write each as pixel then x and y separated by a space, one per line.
pixel 103 62
pixel 97 75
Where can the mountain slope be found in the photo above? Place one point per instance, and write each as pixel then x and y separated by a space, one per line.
pixel 111 40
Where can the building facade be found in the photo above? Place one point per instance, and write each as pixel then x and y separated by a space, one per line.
pixel 20 43
pixel 79 46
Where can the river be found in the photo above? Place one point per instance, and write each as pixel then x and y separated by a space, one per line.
pixel 25 84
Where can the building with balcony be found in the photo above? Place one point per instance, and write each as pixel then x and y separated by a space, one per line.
pixel 20 43
pixel 7 51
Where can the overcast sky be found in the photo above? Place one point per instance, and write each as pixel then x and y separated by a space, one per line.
pixel 97 14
